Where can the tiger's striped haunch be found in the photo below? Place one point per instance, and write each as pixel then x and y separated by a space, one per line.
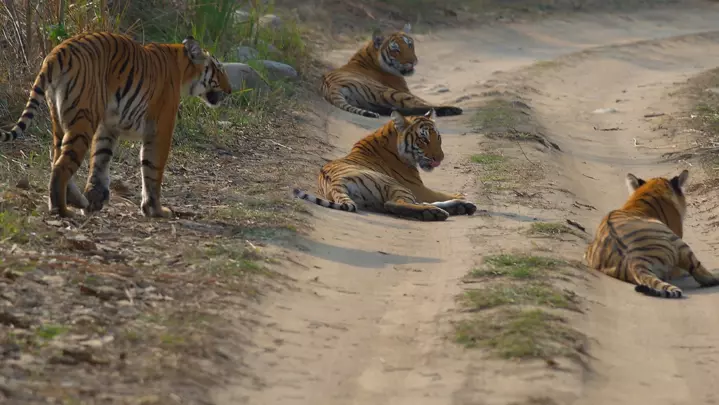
pixel 101 87
pixel 641 243
pixel 372 82
pixel 380 173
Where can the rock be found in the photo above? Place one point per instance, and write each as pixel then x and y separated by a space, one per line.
pixel 245 53
pixel 270 21
pixel 242 77
pixel 279 71
pixel 103 292
pixel 23 184
pixel 242 16
pixel 605 111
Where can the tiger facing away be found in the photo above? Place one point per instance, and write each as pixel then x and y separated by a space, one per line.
pixel 101 87
pixel 380 173
pixel 641 242
pixel 372 82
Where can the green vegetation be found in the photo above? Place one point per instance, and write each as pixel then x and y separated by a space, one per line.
pixel 549 229
pixel 506 312
pixel 516 266
pixel 519 333
pixel 488 159
pixel 497 114
pixel 504 293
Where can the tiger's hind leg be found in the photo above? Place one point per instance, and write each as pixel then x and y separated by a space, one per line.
pixel 401 202
pixel 639 270
pixel 688 261
pixel 74 196
pixel 409 104
pixel 74 145
pixel 97 189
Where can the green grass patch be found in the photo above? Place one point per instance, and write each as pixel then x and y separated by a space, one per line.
pixel 520 334
pixel 516 266
pixel 49 331
pixel 488 159
pixel 495 115
pixel 548 229
pixel 505 293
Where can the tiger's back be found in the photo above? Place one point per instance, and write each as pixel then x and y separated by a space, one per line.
pixel 101 87
pixel 641 243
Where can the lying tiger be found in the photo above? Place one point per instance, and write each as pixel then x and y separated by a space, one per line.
pixel 641 242
pixel 380 173
pixel 372 82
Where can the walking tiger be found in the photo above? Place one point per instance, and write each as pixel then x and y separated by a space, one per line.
pixel 101 87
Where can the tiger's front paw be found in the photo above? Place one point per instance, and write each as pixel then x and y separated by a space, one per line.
pixel 151 210
pixel 458 207
pixel 434 214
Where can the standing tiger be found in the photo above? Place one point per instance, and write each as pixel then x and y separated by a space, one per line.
pixel 641 243
pixel 101 87
pixel 372 82
pixel 380 173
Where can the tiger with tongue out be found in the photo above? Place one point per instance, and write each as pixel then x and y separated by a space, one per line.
pixel 380 173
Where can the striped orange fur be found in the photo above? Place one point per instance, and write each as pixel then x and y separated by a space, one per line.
pixel 372 82
pixel 641 243
pixel 101 87
pixel 380 173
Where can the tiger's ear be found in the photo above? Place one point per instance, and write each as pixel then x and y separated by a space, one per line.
pixel 633 182
pixel 400 122
pixel 431 114
pixel 194 50
pixel 377 38
pixel 407 28
pixel 678 182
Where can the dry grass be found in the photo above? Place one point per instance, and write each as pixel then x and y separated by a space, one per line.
pixel 84 299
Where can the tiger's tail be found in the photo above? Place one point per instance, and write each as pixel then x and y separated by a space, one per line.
pixel 323 202
pixel 37 95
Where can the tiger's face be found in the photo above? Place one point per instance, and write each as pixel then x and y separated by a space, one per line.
pixel 396 53
pixel 671 190
pixel 419 142
pixel 210 81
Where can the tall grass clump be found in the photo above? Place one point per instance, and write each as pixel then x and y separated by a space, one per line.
pixel 30 29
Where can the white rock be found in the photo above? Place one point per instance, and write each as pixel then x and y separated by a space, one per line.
pixel 278 71
pixel 245 53
pixel 242 77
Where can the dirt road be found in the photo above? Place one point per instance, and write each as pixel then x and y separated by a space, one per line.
pixel 370 321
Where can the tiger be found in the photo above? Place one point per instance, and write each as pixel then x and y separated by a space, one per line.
pixel 641 243
pixel 380 173
pixel 101 87
pixel 372 82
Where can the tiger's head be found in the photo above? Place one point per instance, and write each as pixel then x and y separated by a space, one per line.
pixel 395 53
pixel 648 196
pixel 209 79
pixel 418 140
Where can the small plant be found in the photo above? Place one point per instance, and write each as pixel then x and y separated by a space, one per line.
pixel 48 332
pixel 488 159
pixel 548 229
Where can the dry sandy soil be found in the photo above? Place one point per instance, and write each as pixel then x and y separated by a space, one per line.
pixel 373 320
pixel 229 305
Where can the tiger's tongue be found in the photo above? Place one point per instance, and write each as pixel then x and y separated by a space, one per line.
pixel 435 163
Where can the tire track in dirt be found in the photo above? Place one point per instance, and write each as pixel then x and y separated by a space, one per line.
pixel 369 321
